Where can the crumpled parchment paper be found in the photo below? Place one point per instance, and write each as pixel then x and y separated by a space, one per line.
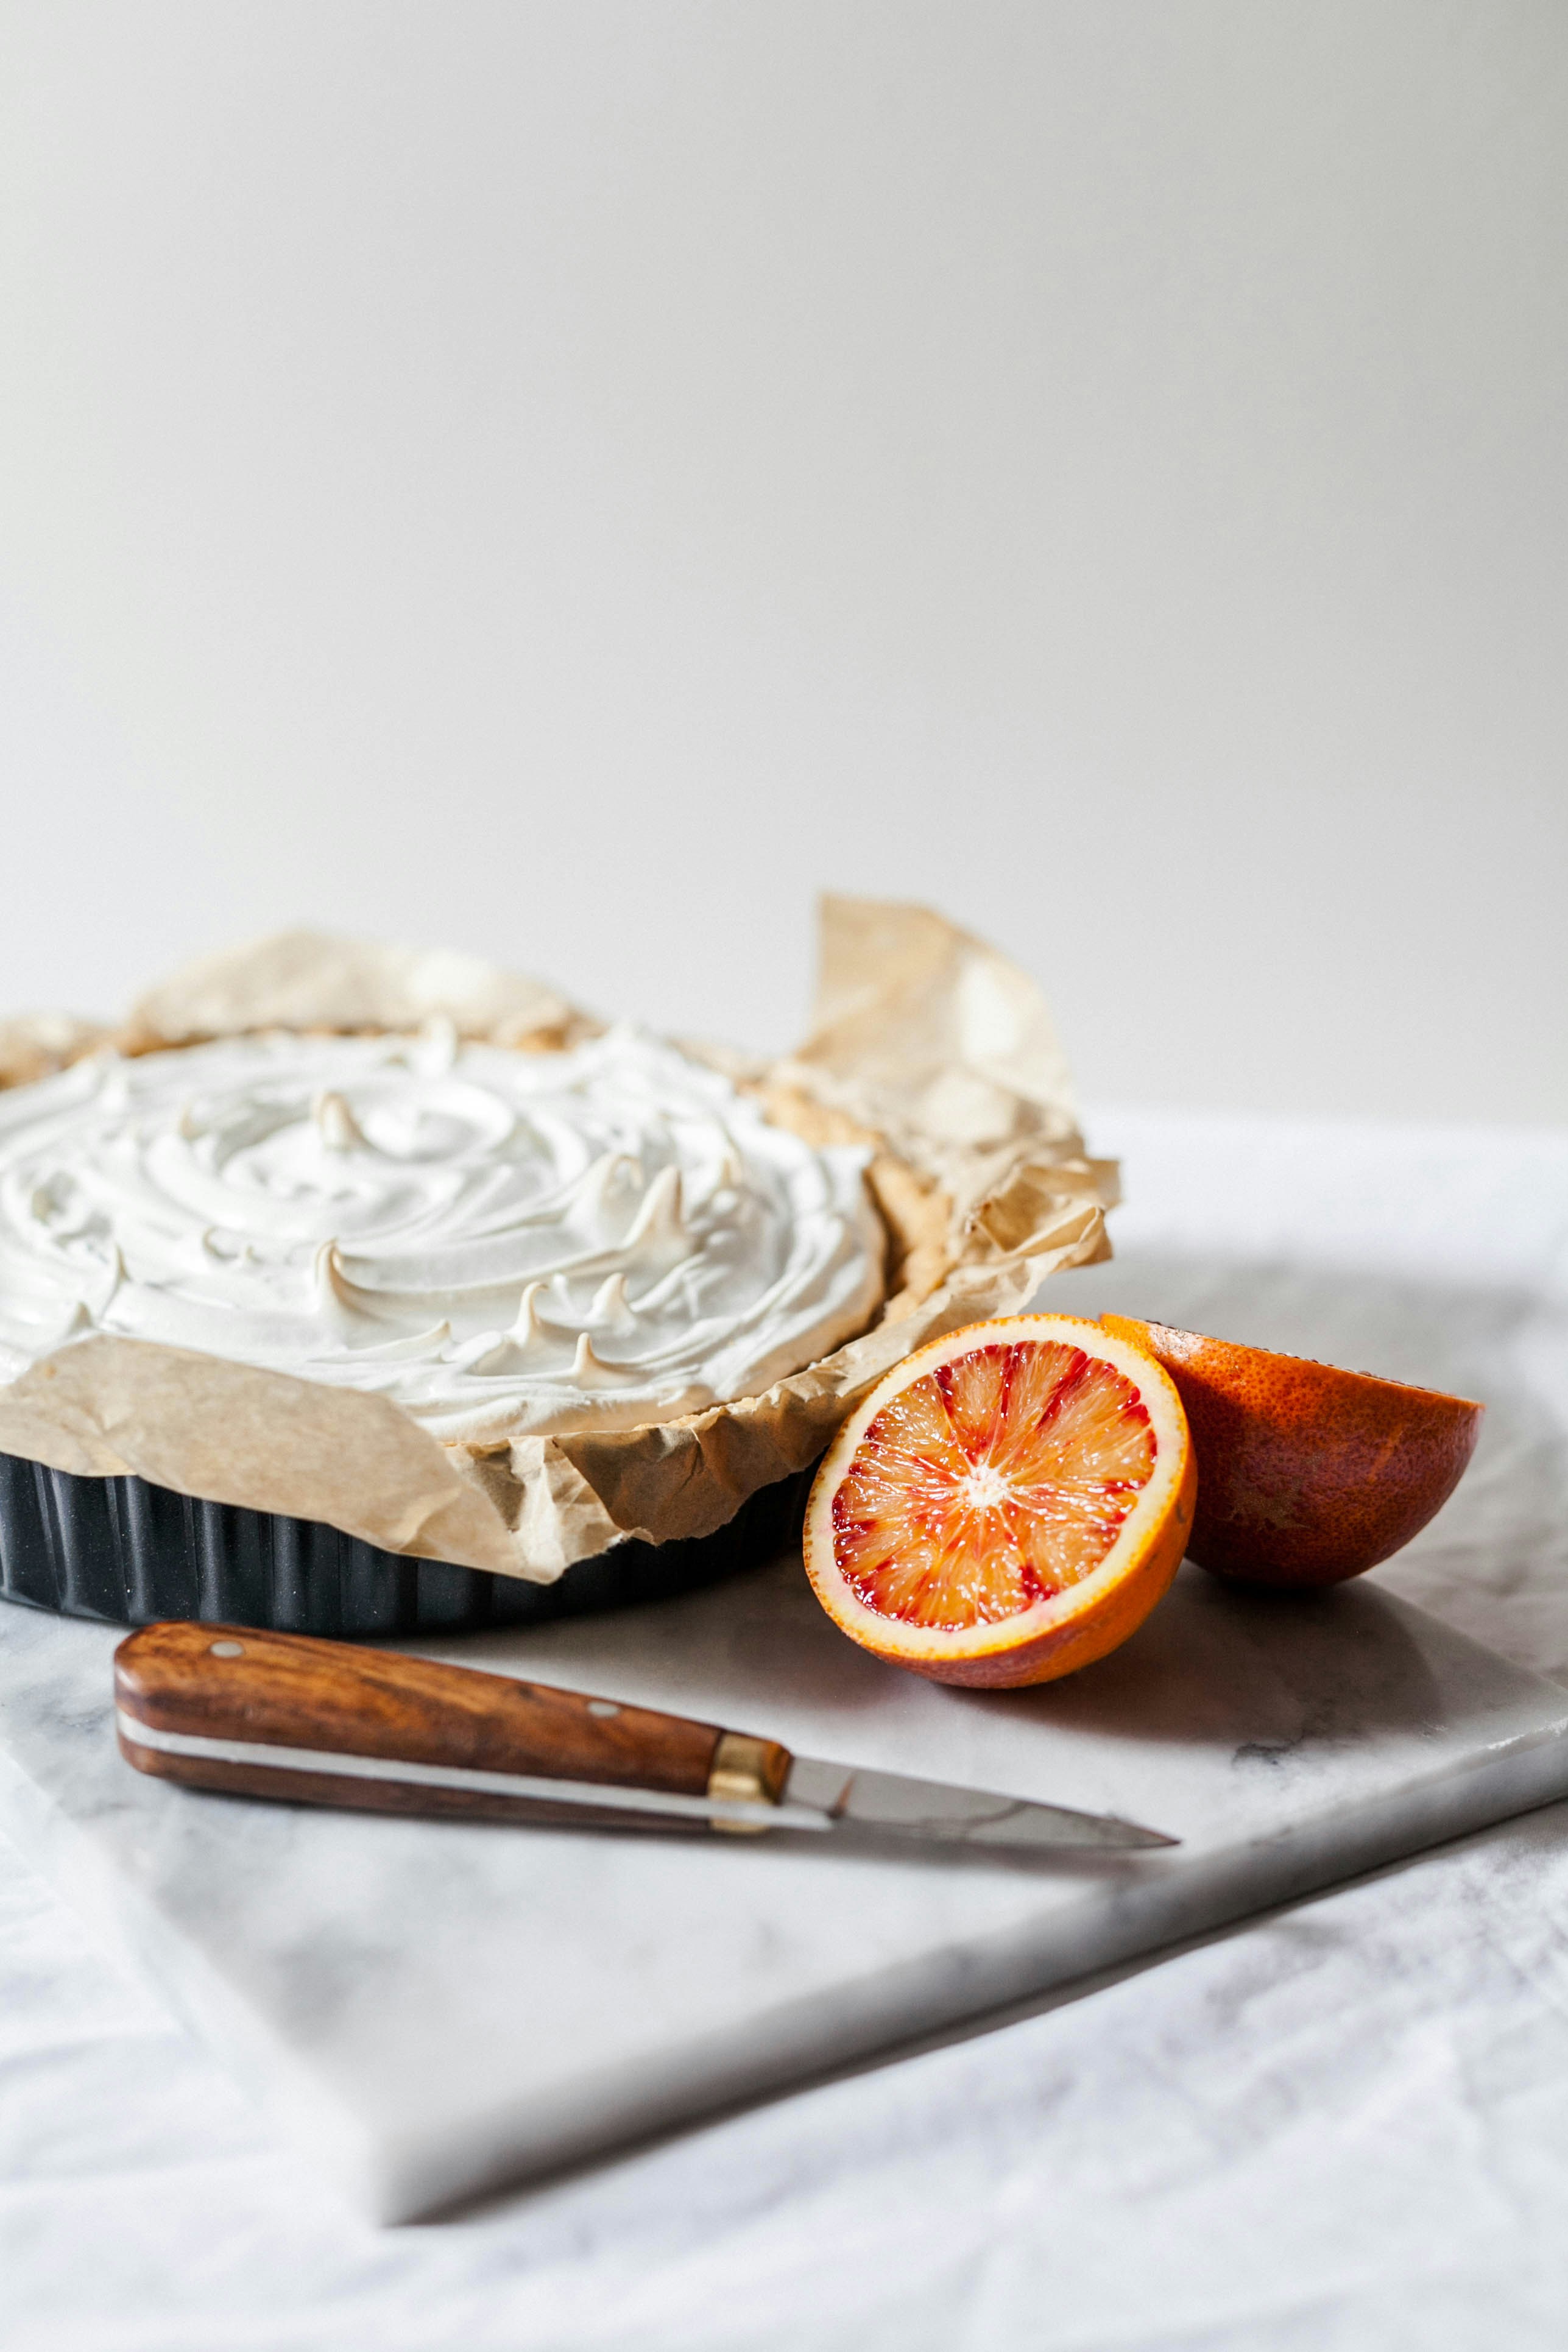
pixel 927 1045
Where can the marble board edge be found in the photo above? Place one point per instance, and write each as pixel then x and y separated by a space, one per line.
pixel 507 2148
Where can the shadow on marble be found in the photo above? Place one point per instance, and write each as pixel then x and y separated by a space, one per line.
pixel 1260 1675
pixel 846 1848
pixel 1175 1680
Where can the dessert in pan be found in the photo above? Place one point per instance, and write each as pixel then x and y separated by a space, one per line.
pixel 352 1290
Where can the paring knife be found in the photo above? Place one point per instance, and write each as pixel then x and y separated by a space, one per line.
pixel 325 1723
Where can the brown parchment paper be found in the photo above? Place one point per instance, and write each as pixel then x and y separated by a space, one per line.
pixel 927 1045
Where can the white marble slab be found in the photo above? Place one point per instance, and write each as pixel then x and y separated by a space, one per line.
pixel 434 2009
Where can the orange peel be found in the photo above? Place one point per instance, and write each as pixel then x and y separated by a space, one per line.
pixel 1309 1473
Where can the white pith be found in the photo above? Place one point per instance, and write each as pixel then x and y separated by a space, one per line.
pixel 890 1634
pixel 984 1488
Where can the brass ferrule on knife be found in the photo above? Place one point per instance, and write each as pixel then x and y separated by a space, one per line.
pixel 747 1771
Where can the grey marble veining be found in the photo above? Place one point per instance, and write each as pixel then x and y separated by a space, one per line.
pixel 433 2008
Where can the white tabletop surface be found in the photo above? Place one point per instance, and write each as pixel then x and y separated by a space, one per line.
pixel 1343 2125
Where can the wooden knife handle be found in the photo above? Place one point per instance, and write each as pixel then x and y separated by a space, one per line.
pixel 231 1683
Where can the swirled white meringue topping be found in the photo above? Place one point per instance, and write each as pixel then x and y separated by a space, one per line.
pixel 503 1242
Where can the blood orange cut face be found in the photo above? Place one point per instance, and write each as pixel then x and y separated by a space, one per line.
pixel 1006 1505
pixel 991 1483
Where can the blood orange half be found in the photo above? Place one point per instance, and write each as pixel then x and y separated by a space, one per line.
pixel 1311 1474
pixel 1007 1505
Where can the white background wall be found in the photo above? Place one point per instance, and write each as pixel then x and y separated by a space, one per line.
pixel 571 479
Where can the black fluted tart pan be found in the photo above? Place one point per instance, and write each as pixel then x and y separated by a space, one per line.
pixel 127 1553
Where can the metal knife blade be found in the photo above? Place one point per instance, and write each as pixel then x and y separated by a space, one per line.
pixel 892 1804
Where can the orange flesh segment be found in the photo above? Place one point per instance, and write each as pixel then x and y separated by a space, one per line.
pixel 991 1483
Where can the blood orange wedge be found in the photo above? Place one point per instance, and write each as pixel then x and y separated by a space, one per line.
pixel 1006 1506
pixel 1310 1474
